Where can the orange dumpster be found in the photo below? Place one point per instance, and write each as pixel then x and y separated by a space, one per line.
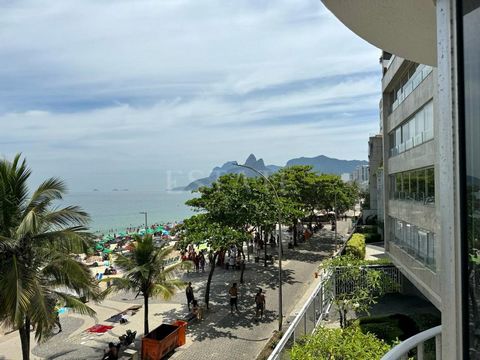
pixel 163 340
pixel 182 330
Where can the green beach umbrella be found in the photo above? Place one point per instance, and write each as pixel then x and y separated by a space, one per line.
pixel 122 233
pixel 159 229
pixel 150 231
pixel 107 251
pixel 98 247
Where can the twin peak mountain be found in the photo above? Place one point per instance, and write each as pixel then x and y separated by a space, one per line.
pixel 320 164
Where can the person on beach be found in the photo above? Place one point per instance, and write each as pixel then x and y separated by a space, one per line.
pixel 111 353
pixel 233 292
pixel 202 261
pixel 189 294
pixel 259 303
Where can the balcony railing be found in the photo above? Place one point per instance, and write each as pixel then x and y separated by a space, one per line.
pixel 400 352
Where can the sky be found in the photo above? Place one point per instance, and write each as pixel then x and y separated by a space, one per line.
pixel 148 94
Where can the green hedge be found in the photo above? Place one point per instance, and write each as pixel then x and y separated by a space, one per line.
pixel 372 238
pixel 356 246
pixel 366 229
pixel 348 344
pixel 389 328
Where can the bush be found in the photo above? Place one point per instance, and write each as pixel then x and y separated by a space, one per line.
pixel 356 247
pixel 349 343
pixel 389 328
pixel 366 229
pixel 372 238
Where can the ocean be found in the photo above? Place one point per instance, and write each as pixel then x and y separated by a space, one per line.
pixel 113 211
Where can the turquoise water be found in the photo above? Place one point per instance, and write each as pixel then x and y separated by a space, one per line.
pixel 116 210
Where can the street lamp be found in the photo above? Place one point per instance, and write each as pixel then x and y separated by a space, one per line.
pixel 145 213
pixel 280 305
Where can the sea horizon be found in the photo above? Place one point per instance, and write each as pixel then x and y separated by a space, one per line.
pixel 114 211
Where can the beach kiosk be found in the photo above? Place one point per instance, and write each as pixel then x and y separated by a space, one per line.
pixel 159 342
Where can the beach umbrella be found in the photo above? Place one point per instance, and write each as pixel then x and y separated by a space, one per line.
pixel 107 251
pixel 165 232
pixel 158 229
pixel 141 232
pixel 150 231
pixel 98 247
pixel 122 233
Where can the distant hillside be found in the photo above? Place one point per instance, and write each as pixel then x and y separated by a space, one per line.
pixel 231 168
pixel 321 164
pixel 326 165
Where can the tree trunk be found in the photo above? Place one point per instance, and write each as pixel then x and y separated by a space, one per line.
pixel 294 233
pixel 24 332
pixel 242 266
pixel 209 281
pixel 265 240
pixel 145 320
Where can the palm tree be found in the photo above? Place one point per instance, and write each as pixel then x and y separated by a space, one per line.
pixel 145 272
pixel 36 270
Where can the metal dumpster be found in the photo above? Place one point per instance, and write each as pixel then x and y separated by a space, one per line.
pixel 163 339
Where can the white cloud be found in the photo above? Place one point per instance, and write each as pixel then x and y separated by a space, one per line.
pixel 96 86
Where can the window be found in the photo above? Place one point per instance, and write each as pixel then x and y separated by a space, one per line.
pixel 470 81
pixel 413 132
pixel 414 77
pixel 416 185
pixel 418 242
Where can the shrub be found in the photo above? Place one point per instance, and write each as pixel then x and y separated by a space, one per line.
pixel 349 343
pixel 389 328
pixel 356 247
pixel 372 238
pixel 366 229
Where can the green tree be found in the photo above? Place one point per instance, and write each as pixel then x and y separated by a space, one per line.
pixel 355 287
pixel 345 344
pixel 145 273
pixel 199 229
pixel 36 270
pixel 296 186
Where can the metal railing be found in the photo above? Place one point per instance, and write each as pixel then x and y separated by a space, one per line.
pixel 308 318
pixel 315 309
pixel 400 352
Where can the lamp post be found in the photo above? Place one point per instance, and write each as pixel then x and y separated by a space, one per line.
pixel 280 297
pixel 335 204
pixel 145 213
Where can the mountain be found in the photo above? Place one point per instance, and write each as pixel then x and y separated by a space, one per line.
pixel 232 168
pixel 321 164
pixel 326 165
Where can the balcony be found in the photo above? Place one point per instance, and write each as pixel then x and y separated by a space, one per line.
pixel 417 342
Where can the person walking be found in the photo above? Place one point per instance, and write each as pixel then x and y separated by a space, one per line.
pixel 259 303
pixel 233 292
pixel 189 294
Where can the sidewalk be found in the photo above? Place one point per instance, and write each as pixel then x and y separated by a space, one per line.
pixel 225 336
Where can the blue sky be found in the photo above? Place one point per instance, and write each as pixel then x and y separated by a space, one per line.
pixel 144 94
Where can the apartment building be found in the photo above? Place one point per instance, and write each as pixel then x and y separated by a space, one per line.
pixel 430 118
pixel 411 224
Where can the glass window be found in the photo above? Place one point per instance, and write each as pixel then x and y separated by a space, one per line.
pixel 471 84
pixel 413 185
pixel 429 121
pixel 430 198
